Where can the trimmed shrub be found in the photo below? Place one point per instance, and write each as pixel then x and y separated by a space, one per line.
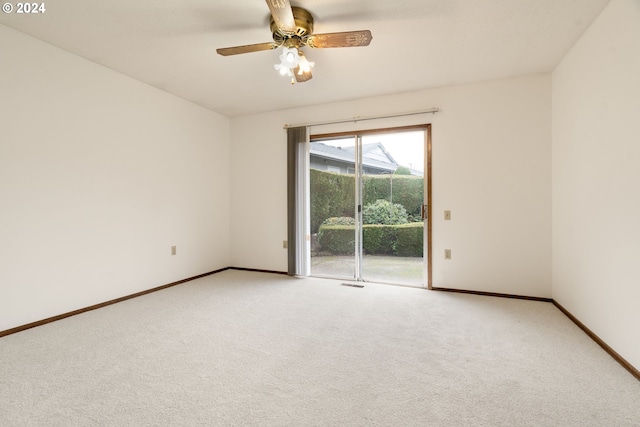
pixel 378 239
pixel 401 240
pixel 383 212
pixel 410 239
pixel 339 220
pixel 337 239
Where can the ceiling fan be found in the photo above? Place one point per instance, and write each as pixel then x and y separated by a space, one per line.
pixel 292 29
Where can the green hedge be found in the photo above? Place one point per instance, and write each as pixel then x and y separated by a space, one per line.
pixel 402 189
pixel 410 239
pixel 333 194
pixel 377 239
pixel 401 240
pixel 337 239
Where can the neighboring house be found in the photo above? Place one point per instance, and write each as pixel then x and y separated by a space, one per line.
pixel 376 159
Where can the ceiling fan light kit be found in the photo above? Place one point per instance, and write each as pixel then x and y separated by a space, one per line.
pixel 289 60
pixel 304 66
pixel 292 29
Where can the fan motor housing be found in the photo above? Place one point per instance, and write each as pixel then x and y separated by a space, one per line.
pixel 304 27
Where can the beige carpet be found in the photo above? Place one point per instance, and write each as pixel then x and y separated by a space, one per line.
pixel 242 348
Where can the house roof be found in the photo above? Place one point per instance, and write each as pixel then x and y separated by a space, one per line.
pixel 373 155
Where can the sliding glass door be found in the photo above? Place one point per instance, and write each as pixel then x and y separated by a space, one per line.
pixel 332 179
pixel 366 199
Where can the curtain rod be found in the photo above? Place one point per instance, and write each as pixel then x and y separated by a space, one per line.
pixel 360 119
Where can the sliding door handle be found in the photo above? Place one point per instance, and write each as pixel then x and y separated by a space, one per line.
pixel 423 212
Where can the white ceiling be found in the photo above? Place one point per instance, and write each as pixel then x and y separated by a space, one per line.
pixel 417 44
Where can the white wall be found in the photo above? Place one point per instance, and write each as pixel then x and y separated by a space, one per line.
pixel 99 176
pixel 491 168
pixel 596 179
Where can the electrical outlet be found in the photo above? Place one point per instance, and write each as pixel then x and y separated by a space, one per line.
pixel 173 250
pixel 447 215
pixel 285 244
pixel 447 254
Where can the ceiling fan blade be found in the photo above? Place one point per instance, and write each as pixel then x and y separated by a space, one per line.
pixel 344 39
pixel 236 50
pixel 282 15
pixel 304 77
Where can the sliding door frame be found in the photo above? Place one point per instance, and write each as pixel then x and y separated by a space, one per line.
pixel 428 176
